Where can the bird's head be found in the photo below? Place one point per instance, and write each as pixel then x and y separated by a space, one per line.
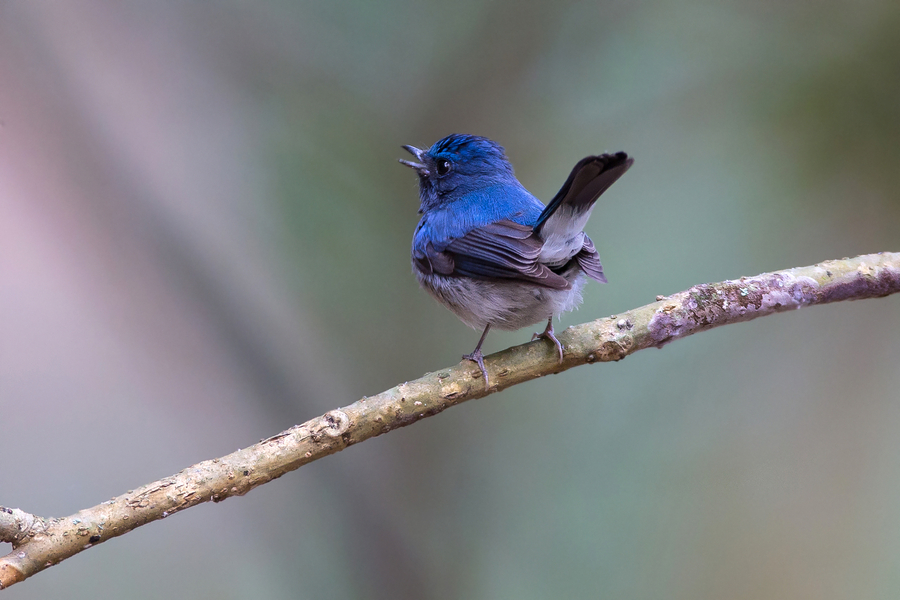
pixel 457 165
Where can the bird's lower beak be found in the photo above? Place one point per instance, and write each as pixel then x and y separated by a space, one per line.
pixel 422 169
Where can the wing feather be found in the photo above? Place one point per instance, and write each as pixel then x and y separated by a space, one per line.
pixel 503 250
pixel 589 261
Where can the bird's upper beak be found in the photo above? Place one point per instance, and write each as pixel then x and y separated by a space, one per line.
pixel 419 167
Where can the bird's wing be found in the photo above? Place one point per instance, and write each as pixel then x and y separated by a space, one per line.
pixel 501 250
pixel 589 261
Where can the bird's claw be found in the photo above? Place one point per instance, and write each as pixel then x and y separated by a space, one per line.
pixel 478 358
pixel 548 334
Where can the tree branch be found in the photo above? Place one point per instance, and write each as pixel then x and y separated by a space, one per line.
pixel 39 543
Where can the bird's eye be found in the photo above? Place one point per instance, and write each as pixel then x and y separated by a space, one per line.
pixel 443 166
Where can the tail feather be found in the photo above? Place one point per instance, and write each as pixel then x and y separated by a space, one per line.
pixel 561 224
pixel 589 178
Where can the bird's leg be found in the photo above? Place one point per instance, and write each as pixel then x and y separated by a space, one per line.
pixel 548 335
pixel 477 357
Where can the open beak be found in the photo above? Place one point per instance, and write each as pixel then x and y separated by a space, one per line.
pixel 419 167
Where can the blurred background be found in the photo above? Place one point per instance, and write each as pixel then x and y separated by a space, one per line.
pixel 204 239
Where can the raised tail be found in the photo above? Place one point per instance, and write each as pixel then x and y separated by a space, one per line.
pixel 589 178
pixel 561 224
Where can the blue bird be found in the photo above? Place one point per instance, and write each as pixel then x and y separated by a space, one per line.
pixel 493 253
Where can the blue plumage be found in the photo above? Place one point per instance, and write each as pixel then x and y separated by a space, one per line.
pixel 493 253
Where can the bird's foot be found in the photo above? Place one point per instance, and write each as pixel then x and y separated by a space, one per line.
pixel 478 358
pixel 547 334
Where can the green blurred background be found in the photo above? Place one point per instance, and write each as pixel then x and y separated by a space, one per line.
pixel 204 239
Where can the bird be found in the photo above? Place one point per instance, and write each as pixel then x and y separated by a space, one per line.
pixel 490 251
